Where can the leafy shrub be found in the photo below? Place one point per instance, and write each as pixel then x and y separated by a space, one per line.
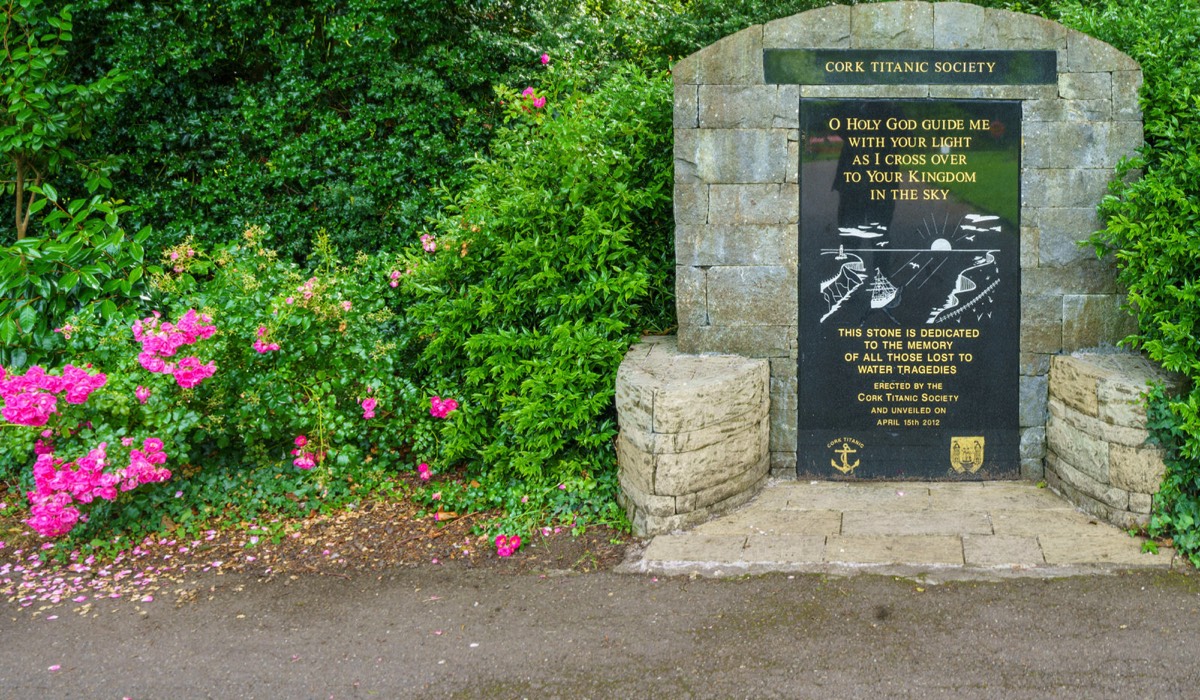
pixel 298 351
pixel 1152 225
pixel 292 353
pixel 544 269
pixel 44 116
pixel 89 266
pixel 302 116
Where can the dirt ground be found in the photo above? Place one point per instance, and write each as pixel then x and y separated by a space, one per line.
pixel 378 535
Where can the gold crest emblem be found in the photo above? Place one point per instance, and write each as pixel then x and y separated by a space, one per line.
pixel 966 454
pixel 844 451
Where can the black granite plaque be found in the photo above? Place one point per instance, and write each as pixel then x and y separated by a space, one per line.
pixel 908 67
pixel 909 289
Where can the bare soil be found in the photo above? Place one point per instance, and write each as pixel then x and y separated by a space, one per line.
pixel 378 534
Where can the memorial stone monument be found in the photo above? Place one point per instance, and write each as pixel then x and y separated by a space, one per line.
pixel 884 202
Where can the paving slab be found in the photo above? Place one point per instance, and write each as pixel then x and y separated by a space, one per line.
pixel 894 549
pixel 1104 548
pixel 776 496
pixel 1034 522
pixel 1002 497
pixel 766 521
pixel 1001 550
pixel 690 546
pixel 935 522
pixel 784 549
pixel 890 496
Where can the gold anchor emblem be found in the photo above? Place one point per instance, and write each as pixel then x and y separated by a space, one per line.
pixel 845 467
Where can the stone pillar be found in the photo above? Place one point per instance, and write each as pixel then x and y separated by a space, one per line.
pixel 1098 456
pixel 693 439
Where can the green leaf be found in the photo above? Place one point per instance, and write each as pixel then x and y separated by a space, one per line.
pixel 27 318
pixel 8 330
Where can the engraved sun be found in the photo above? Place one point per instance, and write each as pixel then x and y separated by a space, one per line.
pixel 941 244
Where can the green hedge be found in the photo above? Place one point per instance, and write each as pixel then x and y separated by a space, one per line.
pixel 300 116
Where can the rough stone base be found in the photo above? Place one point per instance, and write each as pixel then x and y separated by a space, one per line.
pixel 694 434
pixel 1097 452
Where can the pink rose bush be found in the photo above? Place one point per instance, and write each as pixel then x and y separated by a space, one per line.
pixel 341 363
pixel 60 485
pixel 31 399
pixel 532 99
pixel 305 459
pixel 262 346
pixel 164 340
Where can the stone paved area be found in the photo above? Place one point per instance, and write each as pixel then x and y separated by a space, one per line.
pixel 975 530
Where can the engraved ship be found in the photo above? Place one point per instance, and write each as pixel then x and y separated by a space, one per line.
pixel 883 292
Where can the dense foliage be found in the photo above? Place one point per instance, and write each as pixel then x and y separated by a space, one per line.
pixel 546 268
pixel 1153 225
pixel 43 112
pixel 299 116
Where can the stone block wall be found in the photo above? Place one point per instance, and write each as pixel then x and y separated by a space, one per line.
pixel 1098 457
pixel 737 197
pixel 693 434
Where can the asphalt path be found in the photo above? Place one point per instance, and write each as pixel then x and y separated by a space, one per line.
pixel 457 633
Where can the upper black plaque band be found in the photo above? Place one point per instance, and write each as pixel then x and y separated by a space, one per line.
pixel 908 66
